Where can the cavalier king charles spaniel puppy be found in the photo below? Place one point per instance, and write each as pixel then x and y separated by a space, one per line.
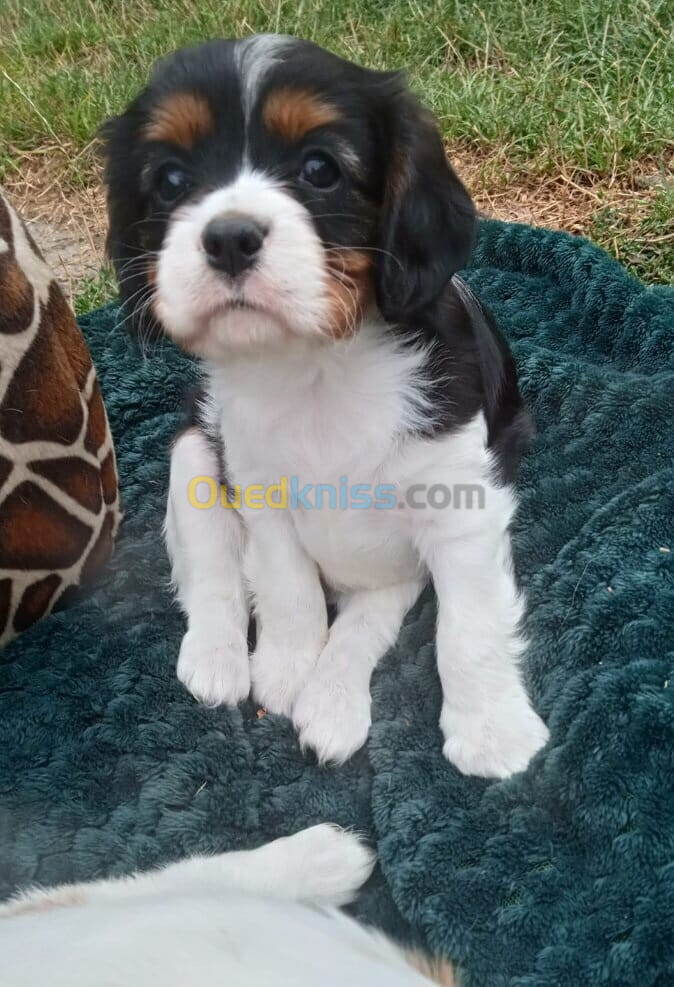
pixel 291 219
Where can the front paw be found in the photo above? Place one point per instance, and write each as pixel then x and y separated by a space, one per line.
pixel 213 665
pixel 332 717
pixel 496 743
pixel 280 667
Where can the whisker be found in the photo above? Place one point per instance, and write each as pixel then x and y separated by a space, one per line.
pixel 146 286
pixel 161 218
pixel 140 296
pixel 131 278
pixel 378 250
pixel 142 256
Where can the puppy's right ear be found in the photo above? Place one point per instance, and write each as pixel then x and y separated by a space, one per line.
pixel 127 243
pixel 428 221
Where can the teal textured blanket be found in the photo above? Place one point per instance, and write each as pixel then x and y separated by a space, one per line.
pixel 562 875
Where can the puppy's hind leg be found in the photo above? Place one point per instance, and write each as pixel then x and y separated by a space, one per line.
pixel 205 545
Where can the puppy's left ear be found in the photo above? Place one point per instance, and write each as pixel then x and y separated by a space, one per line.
pixel 428 222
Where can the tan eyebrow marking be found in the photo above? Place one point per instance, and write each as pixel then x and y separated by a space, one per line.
pixel 292 113
pixel 182 118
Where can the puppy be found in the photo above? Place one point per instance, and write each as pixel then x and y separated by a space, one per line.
pixel 266 916
pixel 292 220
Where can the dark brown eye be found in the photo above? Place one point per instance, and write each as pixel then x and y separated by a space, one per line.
pixel 319 170
pixel 171 182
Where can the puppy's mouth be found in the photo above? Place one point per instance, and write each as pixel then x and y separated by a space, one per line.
pixel 236 303
pixel 216 309
pixel 241 305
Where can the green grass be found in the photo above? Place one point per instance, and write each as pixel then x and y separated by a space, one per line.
pixel 646 247
pixel 554 85
pixel 583 84
pixel 92 292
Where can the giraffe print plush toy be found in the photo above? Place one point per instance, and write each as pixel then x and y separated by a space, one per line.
pixel 59 501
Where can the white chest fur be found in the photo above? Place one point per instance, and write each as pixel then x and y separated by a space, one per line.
pixel 344 416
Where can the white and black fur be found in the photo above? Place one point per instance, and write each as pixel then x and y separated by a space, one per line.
pixel 348 347
pixel 258 918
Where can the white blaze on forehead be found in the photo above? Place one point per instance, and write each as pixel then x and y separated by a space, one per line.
pixel 255 57
pixel 252 193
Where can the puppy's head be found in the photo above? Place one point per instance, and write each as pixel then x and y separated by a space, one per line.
pixel 265 189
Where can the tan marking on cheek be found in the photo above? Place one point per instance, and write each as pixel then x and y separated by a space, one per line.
pixel 292 113
pixel 348 290
pixel 183 118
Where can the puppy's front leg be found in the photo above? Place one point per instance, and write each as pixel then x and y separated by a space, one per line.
pixel 290 609
pixel 206 551
pixel 332 713
pixel 489 725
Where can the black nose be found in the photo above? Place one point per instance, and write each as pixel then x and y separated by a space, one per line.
pixel 232 243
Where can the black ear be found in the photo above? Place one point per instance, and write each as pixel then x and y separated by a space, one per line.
pixel 428 222
pixel 128 244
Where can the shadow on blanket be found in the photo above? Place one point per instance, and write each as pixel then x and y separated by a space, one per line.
pixel 563 875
